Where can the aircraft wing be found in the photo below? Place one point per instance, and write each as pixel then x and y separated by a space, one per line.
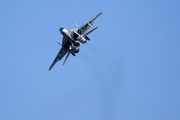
pixel 59 56
pixel 82 30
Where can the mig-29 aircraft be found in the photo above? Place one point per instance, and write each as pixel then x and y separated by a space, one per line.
pixel 72 39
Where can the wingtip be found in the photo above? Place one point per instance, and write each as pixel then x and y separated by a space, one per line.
pixel 98 14
pixel 49 69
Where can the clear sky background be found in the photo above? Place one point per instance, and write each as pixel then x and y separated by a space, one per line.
pixel 129 70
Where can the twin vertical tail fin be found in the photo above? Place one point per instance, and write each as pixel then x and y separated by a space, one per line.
pixel 67 57
pixel 76 25
pixel 90 31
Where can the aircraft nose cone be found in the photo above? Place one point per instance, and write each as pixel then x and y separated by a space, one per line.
pixel 61 29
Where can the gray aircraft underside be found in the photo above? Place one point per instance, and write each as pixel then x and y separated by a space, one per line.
pixel 72 39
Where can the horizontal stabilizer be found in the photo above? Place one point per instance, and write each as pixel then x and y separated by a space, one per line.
pixel 59 43
pixel 73 54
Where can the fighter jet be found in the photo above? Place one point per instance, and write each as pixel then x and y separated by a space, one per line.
pixel 72 39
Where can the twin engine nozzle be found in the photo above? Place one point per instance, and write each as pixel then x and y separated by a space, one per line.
pixel 73 48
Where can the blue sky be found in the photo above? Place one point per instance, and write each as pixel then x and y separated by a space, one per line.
pixel 130 69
